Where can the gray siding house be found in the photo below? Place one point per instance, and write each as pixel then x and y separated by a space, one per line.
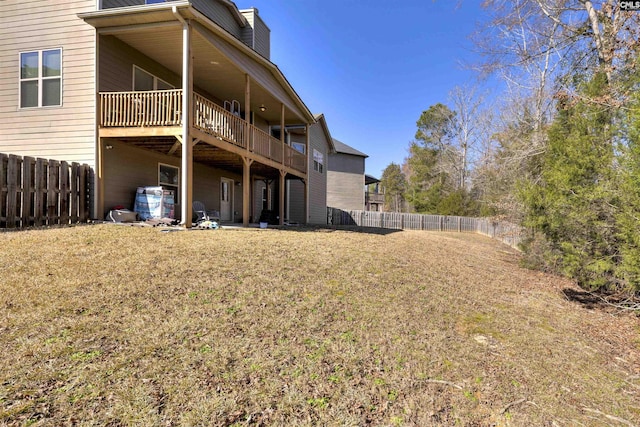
pixel 178 93
pixel 345 178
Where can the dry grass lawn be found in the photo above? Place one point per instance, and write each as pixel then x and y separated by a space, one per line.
pixel 125 326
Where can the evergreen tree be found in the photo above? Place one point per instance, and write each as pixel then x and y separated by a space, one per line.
pixel 394 183
pixel 574 203
pixel 628 215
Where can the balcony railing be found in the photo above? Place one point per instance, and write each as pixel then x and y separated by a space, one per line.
pixel 374 197
pixel 141 109
pixel 163 108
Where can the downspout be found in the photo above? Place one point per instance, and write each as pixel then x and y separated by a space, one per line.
pixel 187 149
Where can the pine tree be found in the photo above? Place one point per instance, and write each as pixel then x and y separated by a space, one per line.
pixel 574 203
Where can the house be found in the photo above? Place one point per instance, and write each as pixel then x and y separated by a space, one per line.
pixel 374 194
pixel 345 178
pixel 180 94
pixel 320 144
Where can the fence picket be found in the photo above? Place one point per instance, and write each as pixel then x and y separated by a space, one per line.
pixel 505 232
pixel 13 168
pixel 4 159
pixel 27 190
pixel 36 192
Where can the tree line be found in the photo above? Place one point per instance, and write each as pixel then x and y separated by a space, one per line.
pixel 558 151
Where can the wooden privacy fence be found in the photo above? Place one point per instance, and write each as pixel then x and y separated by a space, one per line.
pixel 505 232
pixel 40 192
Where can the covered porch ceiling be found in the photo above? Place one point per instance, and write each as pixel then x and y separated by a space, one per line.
pixel 220 61
pixel 203 153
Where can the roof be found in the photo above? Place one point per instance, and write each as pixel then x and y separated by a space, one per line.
pixel 342 148
pixel 323 122
pixel 368 179
pixel 161 15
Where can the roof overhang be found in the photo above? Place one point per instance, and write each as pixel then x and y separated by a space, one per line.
pixel 154 30
pixel 322 121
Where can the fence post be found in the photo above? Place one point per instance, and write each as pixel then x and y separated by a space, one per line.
pixel 40 192
pixel 52 195
pixel 441 223
pixel 28 173
pixel 12 190
pixel 74 193
pixel 64 192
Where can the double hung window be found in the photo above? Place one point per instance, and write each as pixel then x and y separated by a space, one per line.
pixel 41 78
pixel 318 161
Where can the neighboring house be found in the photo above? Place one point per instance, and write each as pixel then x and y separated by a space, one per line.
pixel 174 93
pixel 345 178
pixel 374 194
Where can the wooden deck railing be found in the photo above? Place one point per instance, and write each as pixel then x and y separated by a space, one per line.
pixel 140 109
pixel 295 159
pixel 266 145
pixel 215 120
pixel 373 197
pixel 163 108
pixel 41 192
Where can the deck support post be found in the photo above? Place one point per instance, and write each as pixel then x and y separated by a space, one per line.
pixel 307 214
pixel 186 187
pixel 99 184
pixel 246 190
pixel 247 108
pixel 281 194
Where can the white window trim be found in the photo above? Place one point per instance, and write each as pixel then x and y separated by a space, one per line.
pixel 40 78
pixel 318 161
pixel 176 195
pixel 156 79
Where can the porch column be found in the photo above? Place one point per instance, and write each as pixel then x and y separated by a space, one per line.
pixel 247 107
pixel 306 181
pixel 282 130
pixel 281 196
pixel 186 186
pixel 99 184
pixel 246 190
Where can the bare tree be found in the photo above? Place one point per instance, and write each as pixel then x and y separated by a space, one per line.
pixel 467 129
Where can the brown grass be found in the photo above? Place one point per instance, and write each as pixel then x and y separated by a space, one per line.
pixel 124 326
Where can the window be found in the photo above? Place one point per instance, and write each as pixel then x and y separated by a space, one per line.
pixel 143 80
pixel 169 179
pixel 298 146
pixel 41 78
pixel 318 161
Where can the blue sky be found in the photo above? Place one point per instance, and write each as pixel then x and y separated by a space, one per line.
pixel 372 66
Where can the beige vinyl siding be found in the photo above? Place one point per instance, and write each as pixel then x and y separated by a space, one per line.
pixel 345 182
pixel 317 181
pixel 126 168
pixel 66 132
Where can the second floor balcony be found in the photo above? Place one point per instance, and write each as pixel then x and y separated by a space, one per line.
pixel 159 113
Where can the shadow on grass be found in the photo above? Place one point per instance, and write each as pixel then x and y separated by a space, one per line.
pixel 607 301
pixel 334 228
